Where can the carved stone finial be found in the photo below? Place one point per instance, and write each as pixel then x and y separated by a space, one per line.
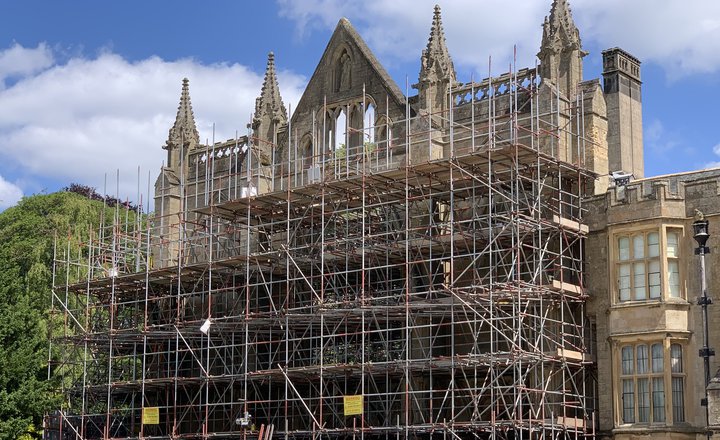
pixel 561 50
pixel 270 113
pixel 184 131
pixel 559 30
pixel 269 103
pixel 436 64
pixel 699 216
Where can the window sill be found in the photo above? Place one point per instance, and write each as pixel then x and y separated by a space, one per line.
pixel 676 302
pixel 634 428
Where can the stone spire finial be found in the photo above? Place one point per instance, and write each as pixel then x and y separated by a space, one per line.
pixel 561 51
pixel 436 64
pixel 184 130
pixel 270 103
pixel 559 30
pixel 270 114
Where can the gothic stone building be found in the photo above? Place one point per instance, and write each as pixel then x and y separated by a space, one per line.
pixel 481 259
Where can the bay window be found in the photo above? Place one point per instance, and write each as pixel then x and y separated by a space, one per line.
pixel 645 267
pixel 643 378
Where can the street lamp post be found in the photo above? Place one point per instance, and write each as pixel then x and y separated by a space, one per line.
pixel 701 235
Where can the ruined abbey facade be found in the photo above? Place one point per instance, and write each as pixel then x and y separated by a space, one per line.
pixel 480 260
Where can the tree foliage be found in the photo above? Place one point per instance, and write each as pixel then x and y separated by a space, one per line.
pixel 92 194
pixel 27 236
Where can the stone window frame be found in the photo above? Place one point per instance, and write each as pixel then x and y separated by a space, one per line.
pixel 305 152
pixel 667 260
pixel 383 132
pixel 675 406
pixel 355 110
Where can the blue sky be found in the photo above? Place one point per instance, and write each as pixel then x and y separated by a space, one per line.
pixel 90 87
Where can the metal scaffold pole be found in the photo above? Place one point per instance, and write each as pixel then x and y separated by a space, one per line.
pixel 428 283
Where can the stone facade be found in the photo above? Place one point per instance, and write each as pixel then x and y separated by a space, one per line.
pixel 635 312
pixel 640 278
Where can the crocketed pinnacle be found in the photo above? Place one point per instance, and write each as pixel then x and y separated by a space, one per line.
pixel 436 64
pixel 270 102
pixel 184 129
pixel 559 30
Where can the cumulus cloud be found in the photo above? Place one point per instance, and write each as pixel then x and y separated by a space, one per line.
pixel 18 60
pixel 680 36
pixel 472 37
pixel 10 193
pixel 658 140
pixel 88 117
pixel 715 163
pixel 677 36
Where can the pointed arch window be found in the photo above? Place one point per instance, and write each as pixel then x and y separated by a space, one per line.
pixel 369 123
pixel 306 153
pixel 383 134
pixel 340 133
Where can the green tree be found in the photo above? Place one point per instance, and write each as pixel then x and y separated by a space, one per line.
pixel 27 235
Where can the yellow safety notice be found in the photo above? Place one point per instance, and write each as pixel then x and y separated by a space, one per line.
pixel 353 405
pixel 151 416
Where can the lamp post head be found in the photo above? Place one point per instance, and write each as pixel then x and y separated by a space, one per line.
pixel 701 235
pixel 700 232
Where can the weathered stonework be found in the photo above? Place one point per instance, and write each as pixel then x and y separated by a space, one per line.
pixel 601 133
pixel 561 50
pixel 621 77
pixel 653 204
pixel 270 117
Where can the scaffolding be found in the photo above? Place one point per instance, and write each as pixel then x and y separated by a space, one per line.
pixel 361 293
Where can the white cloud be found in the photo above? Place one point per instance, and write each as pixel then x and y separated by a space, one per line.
pixel 87 118
pixel 316 14
pixel 10 193
pixel 716 163
pixel 679 36
pixel 658 140
pixel 18 60
pixel 399 30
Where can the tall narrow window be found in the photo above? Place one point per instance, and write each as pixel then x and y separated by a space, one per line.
pixel 340 131
pixel 658 384
pixel 624 268
pixel 381 137
pixel 643 387
pixel 306 152
pixel 673 265
pixel 678 383
pixel 628 385
pixel 643 400
pixel 653 243
pixel 642 381
pixel 369 123
pixel 658 399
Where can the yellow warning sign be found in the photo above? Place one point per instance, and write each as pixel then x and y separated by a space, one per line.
pixel 353 405
pixel 151 416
